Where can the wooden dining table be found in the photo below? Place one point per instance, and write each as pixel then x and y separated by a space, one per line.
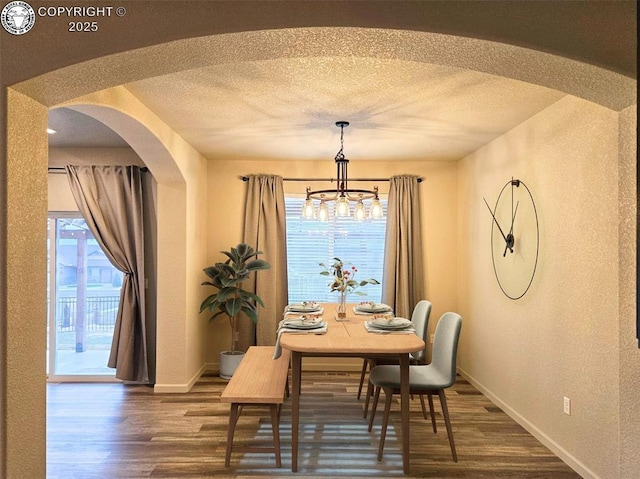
pixel 349 338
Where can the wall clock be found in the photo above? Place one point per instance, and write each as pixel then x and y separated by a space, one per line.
pixel 515 238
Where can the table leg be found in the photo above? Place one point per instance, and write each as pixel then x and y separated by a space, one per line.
pixel 296 376
pixel 404 402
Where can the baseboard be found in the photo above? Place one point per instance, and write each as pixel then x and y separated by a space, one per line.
pixel 558 450
pixel 180 388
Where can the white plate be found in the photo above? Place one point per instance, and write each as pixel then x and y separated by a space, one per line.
pixel 395 323
pixel 375 308
pixel 307 307
pixel 303 324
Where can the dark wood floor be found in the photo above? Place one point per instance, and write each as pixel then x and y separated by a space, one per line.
pixel 115 431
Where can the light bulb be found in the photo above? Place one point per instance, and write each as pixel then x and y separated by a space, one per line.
pixel 342 206
pixel 359 213
pixel 376 209
pixel 323 211
pixel 307 209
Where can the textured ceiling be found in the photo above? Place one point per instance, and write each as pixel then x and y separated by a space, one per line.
pixel 267 94
pixel 286 109
pixel 77 130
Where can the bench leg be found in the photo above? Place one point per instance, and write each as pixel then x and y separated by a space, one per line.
pixel 233 419
pixel 275 425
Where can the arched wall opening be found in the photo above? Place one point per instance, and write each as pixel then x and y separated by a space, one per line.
pixel 179 171
pixel 76 84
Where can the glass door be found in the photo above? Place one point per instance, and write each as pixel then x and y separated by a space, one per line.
pixel 84 293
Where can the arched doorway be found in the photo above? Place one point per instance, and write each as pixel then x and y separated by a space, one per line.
pixel 27 158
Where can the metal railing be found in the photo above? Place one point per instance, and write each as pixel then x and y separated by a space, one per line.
pixel 100 316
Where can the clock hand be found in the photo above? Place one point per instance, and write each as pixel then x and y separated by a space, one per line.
pixel 498 224
pixel 510 239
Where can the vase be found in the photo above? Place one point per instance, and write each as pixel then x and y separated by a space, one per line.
pixel 229 362
pixel 342 304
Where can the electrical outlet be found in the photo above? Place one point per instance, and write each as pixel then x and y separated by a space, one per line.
pixel 431 338
pixel 567 406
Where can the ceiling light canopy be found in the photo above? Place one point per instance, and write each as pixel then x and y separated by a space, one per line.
pixel 342 195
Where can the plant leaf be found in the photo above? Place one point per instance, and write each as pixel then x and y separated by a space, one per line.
pixel 251 315
pixel 253 296
pixel 225 293
pixel 242 249
pixel 233 306
pixel 257 264
pixel 216 315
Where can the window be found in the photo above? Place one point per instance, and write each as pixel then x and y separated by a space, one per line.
pixel 310 242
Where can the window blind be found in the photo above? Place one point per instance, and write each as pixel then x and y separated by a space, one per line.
pixel 310 242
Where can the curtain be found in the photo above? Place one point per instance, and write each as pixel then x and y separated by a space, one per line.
pixel 110 200
pixel 265 230
pixel 403 276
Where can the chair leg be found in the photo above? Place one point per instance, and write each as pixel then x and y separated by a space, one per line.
pixel 424 409
pixel 376 396
pixel 433 414
pixel 388 392
pixel 447 422
pixel 372 364
pixel 362 375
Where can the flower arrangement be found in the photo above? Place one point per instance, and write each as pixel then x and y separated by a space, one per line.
pixel 343 279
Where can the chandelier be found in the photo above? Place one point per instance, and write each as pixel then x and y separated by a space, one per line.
pixel 342 195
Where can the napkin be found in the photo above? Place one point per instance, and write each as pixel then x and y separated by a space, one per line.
pixel 282 328
pixel 357 310
pixel 288 312
pixel 304 307
pixel 370 313
pixel 372 329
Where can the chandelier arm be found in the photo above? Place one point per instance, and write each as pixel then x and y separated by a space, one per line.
pixel 320 195
pixel 366 194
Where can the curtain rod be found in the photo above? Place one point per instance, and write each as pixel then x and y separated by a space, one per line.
pixel 57 170
pixel 246 178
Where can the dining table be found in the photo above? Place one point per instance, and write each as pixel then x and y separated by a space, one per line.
pixel 348 337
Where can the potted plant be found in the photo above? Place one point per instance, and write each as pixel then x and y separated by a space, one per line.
pixel 231 300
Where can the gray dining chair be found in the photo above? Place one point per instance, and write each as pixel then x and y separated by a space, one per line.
pixel 428 379
pixel 420 321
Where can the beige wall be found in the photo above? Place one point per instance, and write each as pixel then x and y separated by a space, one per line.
pixel 438 197
pixel 561 339
pixel 629 353
pixel 59 196
pixel 23 401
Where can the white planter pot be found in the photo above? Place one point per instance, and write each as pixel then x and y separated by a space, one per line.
pixel 229 361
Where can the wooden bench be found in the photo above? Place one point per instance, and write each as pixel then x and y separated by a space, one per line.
pixel 259 380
